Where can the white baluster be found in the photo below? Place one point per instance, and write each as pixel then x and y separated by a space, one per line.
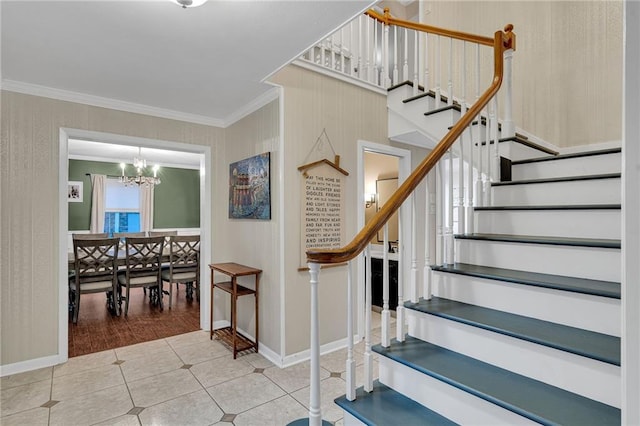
pixel 332 52
pixel 426 62
pixel 322 53
pixel 449 229
pixel 490 125
pixel 462 211
pixel 342 56
pixel 508 126
pixel 394 79
pixel 368 51
pixel 350 371
pixel 426 274
pixel 386 314
pixel 400 314
pixel 315 413
pixel 376 79
pixel 352 47
pixel 438 73
pixel 470 184
pixel 479 181
pixel 360 46
pixel 368 357
pixel 440 213
pixel 415 63
pixel 496 145
pixel 405 58
pixel 414 252
pixel 385 58
pixel 450 82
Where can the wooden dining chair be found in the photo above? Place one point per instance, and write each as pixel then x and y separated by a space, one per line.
pixel 184 265
pixel 93 236
pixel 143 260
pixel 95 271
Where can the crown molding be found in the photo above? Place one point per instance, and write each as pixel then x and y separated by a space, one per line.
pixel 262 100
pixel 98 101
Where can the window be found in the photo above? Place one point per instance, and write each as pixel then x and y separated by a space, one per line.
pixel 122 208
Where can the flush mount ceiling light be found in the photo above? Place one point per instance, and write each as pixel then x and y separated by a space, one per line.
pixel 189 3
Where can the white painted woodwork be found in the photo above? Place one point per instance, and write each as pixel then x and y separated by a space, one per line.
pixel 582 262
pixel 386 314
pixel 449 401
pixel 580 166
pixel 593 191
pixel 368 357
pixel 592 223
pixel 575 373
pixel 315 412
pixel 350 366
pixel 594 313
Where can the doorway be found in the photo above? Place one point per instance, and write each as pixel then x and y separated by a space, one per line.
pixel 203 154
pixel 380 167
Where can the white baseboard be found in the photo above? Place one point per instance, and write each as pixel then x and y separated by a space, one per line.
pixel 29 365
pixel 591 147
pixel 302 356
pixel 263 349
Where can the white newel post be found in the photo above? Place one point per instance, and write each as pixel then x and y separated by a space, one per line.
pixel 386 314
pixel 496 145
pixel 449 224
pixel 351 363
pixel 315 413
pixel 508 126
pixel 368 358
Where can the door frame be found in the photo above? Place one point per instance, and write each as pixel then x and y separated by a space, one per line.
pixel 404 170
pixel 63 217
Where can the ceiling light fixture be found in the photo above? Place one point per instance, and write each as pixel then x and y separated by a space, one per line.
pixel 140 164
pixel 189 3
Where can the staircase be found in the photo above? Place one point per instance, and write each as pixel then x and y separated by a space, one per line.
pixel 525 325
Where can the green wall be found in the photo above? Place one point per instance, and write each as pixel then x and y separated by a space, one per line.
pixel 176 199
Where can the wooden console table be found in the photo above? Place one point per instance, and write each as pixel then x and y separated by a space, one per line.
pixel 230 335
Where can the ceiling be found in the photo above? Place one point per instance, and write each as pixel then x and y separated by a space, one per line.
pixel 205 64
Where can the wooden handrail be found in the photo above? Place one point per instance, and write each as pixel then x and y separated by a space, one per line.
pixel 501 42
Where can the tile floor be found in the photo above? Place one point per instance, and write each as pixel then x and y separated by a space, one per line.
pixel 180 380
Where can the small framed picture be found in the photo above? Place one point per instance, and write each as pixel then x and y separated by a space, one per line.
pixel 74 192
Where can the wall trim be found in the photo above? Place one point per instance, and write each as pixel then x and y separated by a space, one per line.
pixel 305 355
pixel 339 76
pixel 99 101
pixel 128 160
pixel 263 349
pixel 269 96
pixel 591 147
pixel 30 364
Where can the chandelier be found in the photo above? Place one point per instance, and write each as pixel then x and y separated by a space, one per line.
pixel 140 164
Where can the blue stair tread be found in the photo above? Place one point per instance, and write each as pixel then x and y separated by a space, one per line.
pixel 535 239
pixel 598 346
pixel 384 406
pixel 556 282
pixel 527 397
pixel 552 207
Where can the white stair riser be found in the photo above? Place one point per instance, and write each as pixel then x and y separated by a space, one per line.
pixel 449 401
pixel 568 371
pixel 558 223
pixel 594 191
pixel 580 166
pixel 594 313
pixel 581 262
pixel 515 151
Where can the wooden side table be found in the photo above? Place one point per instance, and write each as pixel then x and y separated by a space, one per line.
pixel 230 335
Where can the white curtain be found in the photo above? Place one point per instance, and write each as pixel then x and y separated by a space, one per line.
pixel 98 190
pixel 146 207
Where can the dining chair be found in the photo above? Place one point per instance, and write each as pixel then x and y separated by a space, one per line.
pixel 143 260
pixel 94 236
pixel 95 271
pixel 184 265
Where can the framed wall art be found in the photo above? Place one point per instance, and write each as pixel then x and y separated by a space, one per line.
pixel 74 192
pixel 250 189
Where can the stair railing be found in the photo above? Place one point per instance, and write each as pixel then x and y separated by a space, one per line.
pixel 379 70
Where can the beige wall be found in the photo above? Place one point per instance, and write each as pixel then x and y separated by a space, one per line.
pixel 567 66
pixel 252 242
pixel 313 102
pixel 29 214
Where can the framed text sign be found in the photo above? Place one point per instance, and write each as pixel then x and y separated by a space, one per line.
pixel 323 202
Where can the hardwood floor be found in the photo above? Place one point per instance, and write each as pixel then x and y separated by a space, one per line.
pixel 98 330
